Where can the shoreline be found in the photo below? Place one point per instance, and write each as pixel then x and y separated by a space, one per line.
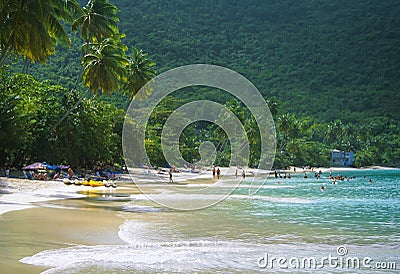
pixel 19 194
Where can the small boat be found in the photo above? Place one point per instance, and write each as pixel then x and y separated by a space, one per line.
pixel 109 184
pixel 67 181
pixel 77 182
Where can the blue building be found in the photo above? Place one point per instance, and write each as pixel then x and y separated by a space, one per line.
pixel 341 158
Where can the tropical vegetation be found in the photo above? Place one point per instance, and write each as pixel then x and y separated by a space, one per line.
pixel 329 71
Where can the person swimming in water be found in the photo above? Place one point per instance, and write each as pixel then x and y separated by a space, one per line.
pixel 322 188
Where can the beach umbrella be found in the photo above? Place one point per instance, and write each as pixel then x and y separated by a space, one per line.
pixel 39 166
pixel 35 166
pixel 49 167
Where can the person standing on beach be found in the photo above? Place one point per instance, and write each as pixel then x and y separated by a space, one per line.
pixel 7 170
pixel 244 174
pixel 213 172
pixel 218 173
pixel 170 175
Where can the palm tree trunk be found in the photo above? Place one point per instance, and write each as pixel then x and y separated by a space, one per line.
pixel 5 52
pixel 69 111
pixel 25 67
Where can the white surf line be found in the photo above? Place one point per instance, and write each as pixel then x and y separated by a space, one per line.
pixel 27 199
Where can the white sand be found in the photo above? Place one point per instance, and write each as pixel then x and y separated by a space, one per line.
pixel 22 193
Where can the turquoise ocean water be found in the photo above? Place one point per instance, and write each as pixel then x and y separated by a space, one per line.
pixel 291 226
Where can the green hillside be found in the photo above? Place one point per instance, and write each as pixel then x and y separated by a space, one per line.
pixel 329 70
pixel 327 59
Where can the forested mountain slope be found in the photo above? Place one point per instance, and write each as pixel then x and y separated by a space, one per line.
pixel 328 59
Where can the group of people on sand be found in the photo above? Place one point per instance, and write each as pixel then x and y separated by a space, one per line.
pixel 42 176
pixel 98 172
pixel 216 172
pixel 243 173
pixel 47 176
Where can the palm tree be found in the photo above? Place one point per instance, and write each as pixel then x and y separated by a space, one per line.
pixel 335 132
pixel 32 28
pixel 273 106
pixel 98 20
pixel 103 58
pixel 289 128
pixel 140 71
pixel 105 66
pixel 284 124
pixel 104 69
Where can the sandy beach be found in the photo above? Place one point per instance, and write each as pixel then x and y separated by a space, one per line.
pixel 41 223
pixel 50 214
pixel 42 228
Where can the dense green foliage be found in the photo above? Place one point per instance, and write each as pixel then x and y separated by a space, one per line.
pixel 30 128
pixel 300 140
pixel 326 59
pixel 38 121
pixel 331 68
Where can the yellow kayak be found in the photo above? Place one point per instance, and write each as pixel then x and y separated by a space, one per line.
pixel 96 183
pixel 86 183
